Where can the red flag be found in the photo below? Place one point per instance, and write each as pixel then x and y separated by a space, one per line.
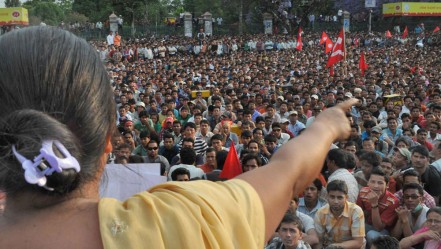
pixel 363 65
pixel 331 70
pixel 388 34
pixel 338 51
pixel 405 33
pixel 232 166
pixel 329 45
pixel 436 29
pixel 299 40
pixel 324 39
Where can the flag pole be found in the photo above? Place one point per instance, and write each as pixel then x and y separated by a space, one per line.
pixel 344 48
pixel 344 41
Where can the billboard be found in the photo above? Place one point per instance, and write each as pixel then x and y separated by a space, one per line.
pixel 14 16
pixel 411 9
pixel 370 4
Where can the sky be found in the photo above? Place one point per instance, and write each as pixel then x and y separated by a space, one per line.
pixel 2 3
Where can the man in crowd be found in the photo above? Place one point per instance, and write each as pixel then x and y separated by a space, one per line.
pixel 340 223
pixel 378 204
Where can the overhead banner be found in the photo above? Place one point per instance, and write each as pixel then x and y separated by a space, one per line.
pixel 370 3
pixel 411 9
pixel 14 16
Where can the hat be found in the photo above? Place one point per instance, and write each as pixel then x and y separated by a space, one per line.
pixel 226 114
pixel 348 94
pixel 140 104
pixel 284 120
pixel 169 120
pixel 281 97
pixel 296 97
pixel 248 77
pixel 293 112
pixel 357 90
pixel 405 152
pixel 314 96
pixel 376 129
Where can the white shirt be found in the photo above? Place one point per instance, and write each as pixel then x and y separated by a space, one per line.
pixel 110 39
pixel 194 171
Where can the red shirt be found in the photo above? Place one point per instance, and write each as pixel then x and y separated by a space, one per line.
pixel 386 204
pixel 206 168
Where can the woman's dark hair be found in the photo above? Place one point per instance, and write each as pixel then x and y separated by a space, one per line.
pixel 54 87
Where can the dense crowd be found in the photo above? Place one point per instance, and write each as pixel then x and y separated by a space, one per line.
pixel 184 103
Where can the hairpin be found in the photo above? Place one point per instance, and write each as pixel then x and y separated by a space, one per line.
pixel 46 163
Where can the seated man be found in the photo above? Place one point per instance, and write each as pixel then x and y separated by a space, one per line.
pixel 311 202
pixel 282 138
pixel 188 159
pixel 430 177
pixel 412 215
pixel 340 223
pixel 251 161
pixel 290 234
pixel 378 204
pixel 412 176
pixel 385 242
pixel 368 161
pixel 180 175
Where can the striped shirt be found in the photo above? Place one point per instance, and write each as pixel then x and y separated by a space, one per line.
pixel 200 146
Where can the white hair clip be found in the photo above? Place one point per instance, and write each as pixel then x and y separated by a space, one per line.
pixel 46 163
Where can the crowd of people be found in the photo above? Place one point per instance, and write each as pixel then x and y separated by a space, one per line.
pixel 184 103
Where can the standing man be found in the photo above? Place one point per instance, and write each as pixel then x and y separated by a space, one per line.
pixel 117 39
pixel 340 223
pixel 110 38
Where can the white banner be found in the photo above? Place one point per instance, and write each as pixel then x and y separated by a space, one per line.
pixel 122 181
pixel 370 3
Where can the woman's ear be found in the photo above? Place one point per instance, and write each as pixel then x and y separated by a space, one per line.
pixel 109 146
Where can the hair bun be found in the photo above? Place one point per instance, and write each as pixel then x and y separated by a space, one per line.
pixel 26 130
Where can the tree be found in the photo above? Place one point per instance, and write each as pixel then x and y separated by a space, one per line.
pixel 65 5
pixel 95 10
pixel 12 3
pixel 47 11
pixel 74 17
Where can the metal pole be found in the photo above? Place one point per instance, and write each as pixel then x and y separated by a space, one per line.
pixel 370 20
pixel 241 18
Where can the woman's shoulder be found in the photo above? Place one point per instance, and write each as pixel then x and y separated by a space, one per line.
pixel 179 210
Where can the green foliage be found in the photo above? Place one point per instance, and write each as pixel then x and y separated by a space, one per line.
pixel 12 3
pixel 65 5
pixel 95 10
pixel 199 7
pixel 47 11
pixel 74 17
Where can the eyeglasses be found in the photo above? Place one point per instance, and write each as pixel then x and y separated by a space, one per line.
pixel 413 197
pixel 152 148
